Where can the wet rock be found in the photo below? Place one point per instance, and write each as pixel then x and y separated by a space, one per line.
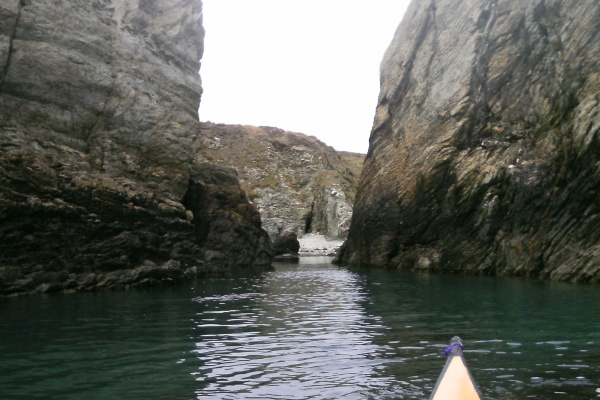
pixel 286 243
pixel 9 274
pixel 47 288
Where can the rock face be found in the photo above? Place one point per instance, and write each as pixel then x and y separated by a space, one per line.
pixel 100 184
pixel 331 213
pixel 286 243
pixel 286 246
pixel 298 183
pixel 485 152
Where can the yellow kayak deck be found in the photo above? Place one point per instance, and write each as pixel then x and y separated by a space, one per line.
pixel 455 381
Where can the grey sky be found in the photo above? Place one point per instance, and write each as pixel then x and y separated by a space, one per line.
pixel 309 66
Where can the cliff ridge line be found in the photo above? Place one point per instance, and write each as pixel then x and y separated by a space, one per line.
pixel 298 183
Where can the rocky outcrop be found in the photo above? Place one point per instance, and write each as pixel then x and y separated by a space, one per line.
pixel 100 183
pixel 331 213
pixel 286 247
pixel 485 152
pixel 298 183
pixel 286 243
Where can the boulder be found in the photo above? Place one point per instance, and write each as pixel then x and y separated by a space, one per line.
pixel 287 243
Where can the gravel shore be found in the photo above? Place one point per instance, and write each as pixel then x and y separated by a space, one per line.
pixel 318 245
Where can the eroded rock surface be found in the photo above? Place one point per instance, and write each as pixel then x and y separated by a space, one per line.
pixel 298 183
pixel 485 151
pixel 286 243
pixel 100 184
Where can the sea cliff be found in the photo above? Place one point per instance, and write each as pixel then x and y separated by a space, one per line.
pixel 298 183
pixel 100 180
pixel 484 156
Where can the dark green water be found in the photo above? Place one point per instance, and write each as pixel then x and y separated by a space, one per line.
pixel 308 331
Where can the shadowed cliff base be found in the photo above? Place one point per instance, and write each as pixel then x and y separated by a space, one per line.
pixel 484 156
pixel 100 185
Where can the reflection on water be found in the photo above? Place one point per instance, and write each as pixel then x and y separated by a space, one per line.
pixel 307 331
pixel 298 333
pixel 525 338
pixel 316 331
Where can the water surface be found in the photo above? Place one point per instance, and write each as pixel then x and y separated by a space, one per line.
pixel 307 331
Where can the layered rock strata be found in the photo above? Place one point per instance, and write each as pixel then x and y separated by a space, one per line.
pixel 298 183
pixel 485 152
pixel 100 182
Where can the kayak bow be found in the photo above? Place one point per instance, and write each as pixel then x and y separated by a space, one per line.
pixel 455 381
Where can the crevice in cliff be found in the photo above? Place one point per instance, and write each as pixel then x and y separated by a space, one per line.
pixel 195 201
pixel 22 4
pixel 308 219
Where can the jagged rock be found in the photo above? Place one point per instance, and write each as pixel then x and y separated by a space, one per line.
pixel 286 243
pixel 225 222
pixel 331 214
pixel 298 183
pixel 286 247
pixel 98 160
pixel 484 154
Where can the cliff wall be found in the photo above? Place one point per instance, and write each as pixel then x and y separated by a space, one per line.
pixel 100 184
pixel 485 151
pixel 298 183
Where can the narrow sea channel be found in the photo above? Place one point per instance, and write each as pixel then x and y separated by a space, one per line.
pixel 303 331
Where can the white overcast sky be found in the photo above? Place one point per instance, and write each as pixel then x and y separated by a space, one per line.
pixel 309 66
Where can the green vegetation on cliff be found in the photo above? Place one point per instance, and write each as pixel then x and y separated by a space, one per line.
pixel 291 177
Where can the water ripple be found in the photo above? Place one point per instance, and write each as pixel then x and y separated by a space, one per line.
pixel 311 331
pixel 315 343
